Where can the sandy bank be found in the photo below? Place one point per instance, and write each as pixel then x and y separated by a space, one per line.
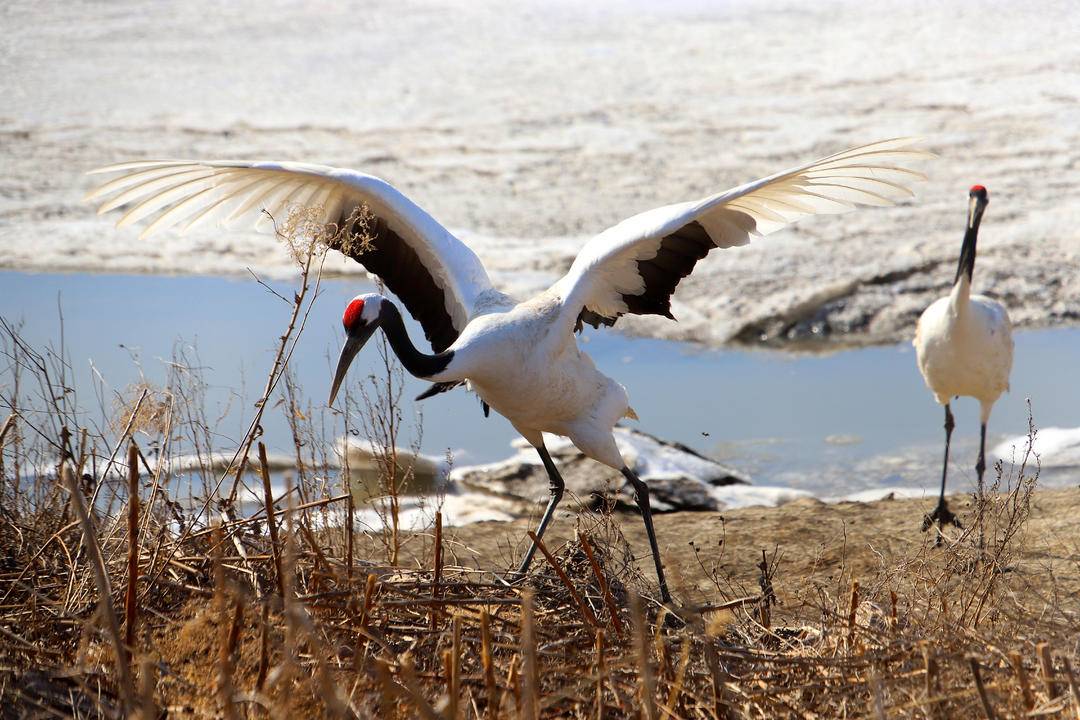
pixel 816 541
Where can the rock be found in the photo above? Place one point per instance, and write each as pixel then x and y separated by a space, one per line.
pixel 417 474
pixel 679 478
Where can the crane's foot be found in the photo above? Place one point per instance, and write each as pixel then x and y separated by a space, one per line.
pixel 511 580
pixel 673 621
pixel 941 517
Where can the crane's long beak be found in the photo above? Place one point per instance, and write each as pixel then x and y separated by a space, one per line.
pixel 976 206
pixel 353 343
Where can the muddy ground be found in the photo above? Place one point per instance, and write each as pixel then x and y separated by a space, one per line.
pixel 817 546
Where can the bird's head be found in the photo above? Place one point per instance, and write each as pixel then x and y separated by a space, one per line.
pixel 978 199
pixel 360 319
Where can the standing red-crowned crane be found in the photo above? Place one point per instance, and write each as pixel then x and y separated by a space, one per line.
pixel 521 358
pixel 964 346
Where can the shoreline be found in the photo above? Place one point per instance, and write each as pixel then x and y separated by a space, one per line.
pixel 796 334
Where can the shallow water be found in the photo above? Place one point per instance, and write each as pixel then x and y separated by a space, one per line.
pixel 854 420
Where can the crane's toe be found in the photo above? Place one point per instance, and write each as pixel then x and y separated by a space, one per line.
pixel 511 580
pixel 940 517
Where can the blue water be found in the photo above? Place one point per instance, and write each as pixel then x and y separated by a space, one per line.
pixel 821 422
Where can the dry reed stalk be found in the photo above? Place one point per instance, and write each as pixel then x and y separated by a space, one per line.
pixel 447 705
pixel 601 671
pixel 225 689
pixel 101 579
pixel 271 521
pixel 647 687
pixel 586 613
pixel 1017 661
pixel 148 709
pixel 659 646
pixel 413 692
pixel 1073 689
pixel 984 698
pixel 877 693
pixel 680 673
pixel 894 619
pixel 454 668
pixel 236 628
pixel 513 683
pixel 435 589
pixel 264 649
pixel 930 686
pixel 488 665
pixel 601 580
pixel 853 606
pixel 530 689
pixel 131 606
pixel 350 522
pixel 717 676
pixel 8 424
pixel 764 616
pixel 388 689
pixel 1046 663
pixel 369 594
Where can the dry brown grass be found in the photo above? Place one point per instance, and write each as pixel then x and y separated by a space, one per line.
pixel 956 632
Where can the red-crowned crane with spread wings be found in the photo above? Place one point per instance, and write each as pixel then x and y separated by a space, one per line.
pixel 521 358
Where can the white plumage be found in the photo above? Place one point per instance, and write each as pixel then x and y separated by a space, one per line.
pixel 188 194
pixel 964 347
pixel 521 358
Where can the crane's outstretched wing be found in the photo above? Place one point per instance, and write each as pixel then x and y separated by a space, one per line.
pixel 635 266
pixel 439 279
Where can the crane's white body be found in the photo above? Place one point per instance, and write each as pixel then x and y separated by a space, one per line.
pixel 964 347
pixel 526 364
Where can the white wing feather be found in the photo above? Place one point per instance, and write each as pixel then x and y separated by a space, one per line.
pixel 606 267
pixel 184 194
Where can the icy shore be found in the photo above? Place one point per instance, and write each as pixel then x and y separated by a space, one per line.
pixel 529 155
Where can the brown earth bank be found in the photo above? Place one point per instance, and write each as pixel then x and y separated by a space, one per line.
pixel 809 543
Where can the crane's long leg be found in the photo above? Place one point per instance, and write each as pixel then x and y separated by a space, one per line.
pixel 980 468
pixel 942 515
pixel 557 487
pixel 641 496
pixel 980 465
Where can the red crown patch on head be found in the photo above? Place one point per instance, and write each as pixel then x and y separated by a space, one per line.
pixel 978 189
pixel 352 313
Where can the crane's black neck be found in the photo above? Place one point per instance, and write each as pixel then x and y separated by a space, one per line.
pixel 417 363
pixel 967 252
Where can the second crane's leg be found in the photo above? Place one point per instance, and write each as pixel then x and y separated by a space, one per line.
pixel 980 466
pixel 641 496
pixel 942 515
pixel 557 486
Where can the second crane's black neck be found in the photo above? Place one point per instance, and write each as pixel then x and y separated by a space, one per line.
pixel 967 252
pixel 417 363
